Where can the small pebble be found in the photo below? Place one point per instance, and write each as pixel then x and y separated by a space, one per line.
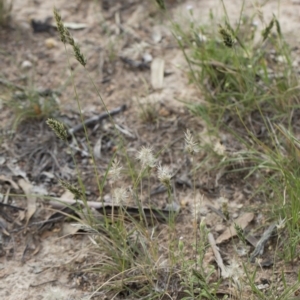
pixel 26 65
pixel 50 43
pixel 235 215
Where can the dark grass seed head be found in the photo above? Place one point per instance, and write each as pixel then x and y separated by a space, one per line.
pixel 240 232
pixel 278 28
pixel 227 36
pixel 73 189
pixel 78 55
pixel 60 25
pixel 69 38
pixel 58 128
pixel 266 32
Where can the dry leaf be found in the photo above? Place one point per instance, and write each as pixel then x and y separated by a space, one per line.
pixel 69 229
pixel 230 232
pixel 31 199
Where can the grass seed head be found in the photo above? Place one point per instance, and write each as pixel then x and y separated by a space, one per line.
pixel 115 170
pixel 225 210
pixel 227 36
pixel 119 196
pixel 281 224
pixel 234 271
pixel 266 32
pixel 60 26
pixel 146 157
pixel 190 145
pixel 78 55
pixel 164 175
pixel 58 128
pixel 278 28
pixel 69 38
pixel 240 232
pixel 73 189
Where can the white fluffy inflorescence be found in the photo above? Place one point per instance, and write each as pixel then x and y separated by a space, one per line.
pixel 146 157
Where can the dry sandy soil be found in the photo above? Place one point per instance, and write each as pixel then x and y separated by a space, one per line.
pixel 41 267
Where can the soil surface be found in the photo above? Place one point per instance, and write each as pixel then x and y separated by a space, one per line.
pixel 119 40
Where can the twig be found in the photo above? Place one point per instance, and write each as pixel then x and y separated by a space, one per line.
pixel 11 206
pixel 107 208
pixel 96 119
pixel 42 283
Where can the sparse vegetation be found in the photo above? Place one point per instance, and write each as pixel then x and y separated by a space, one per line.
pixel 241 81
pixel 251 96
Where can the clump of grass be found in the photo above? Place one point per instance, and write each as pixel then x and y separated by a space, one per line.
pixel 239 73
pixel 32 105
pixel 148 113
pixel 130 254
pixel 243 83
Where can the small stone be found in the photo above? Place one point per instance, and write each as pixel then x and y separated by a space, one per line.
pixel 235 215
pixel 50 43
pixel 26 65
pixel 147 57
pixel 107 198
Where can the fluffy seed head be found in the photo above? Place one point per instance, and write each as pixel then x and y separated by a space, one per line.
pixel 219 149
pixel 146 157
pixel 58 128
pixel 281 224
pixel 190 145
pixel 119 196
pixel 115 170
pixel 233 271
pixel 164 175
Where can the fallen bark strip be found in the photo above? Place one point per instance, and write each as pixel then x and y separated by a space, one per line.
pixel 161 215
pixel 217 254
pixel 96 119
pixel 259 249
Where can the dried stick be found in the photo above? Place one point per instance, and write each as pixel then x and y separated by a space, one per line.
pixel 96 119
